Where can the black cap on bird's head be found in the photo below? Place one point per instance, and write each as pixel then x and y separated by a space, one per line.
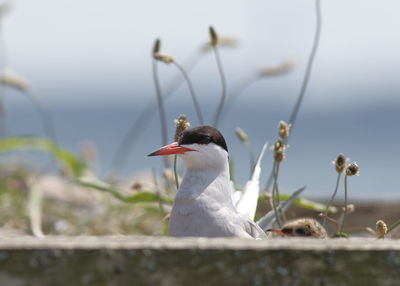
pixel 202 135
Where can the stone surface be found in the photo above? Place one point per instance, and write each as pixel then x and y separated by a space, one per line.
pixel 125 260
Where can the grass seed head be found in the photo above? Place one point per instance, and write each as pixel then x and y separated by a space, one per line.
pixel 279 150
pixel 157 47
pixel 241 135
pixel 284 129
pixel 280 69
pixel 180 125
pixel 213 36
pixel 352 170
pixel 13 80
pixel 137 186
pixel 163 58
pixel 381 227
pixel 340 163
pixel 349 209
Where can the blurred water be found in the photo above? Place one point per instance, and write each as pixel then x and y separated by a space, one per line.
pixel 368 134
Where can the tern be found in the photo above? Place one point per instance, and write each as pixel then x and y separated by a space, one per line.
pixel 203 205
pixel 302 227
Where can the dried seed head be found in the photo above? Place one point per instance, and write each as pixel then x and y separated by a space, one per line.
pixel 213 36
pixel 180 125
pixel 163 58
pixel 279 151
pixel 349 209
pixel 352 170
pixel 156 47
pixel 381 227
pixel 281 69
pixel 223 41
pixel 227 41
pixel 284 129
pixel 241 135
pixel 137 186
pixel 13 80
pixel 340 163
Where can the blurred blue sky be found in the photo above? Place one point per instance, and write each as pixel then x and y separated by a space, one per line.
pixel 70 50
pixel 89 61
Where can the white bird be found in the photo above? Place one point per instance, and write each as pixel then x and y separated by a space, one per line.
pixel 203 205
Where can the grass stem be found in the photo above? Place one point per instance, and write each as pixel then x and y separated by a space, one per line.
pixel 176 172
pixel 310 62
pixel 161 110
pixel 332 198
pixel 304 85
pixel 143 119
pixel 252 158
pixel 192 93
pixel 223 83
pixel 345 204
pixel 275 193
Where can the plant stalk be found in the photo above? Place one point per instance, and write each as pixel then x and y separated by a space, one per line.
pixel 275 193
pixel 345 203
pixel 161 110
pixel 223 84
pixel 192 93
pixel 332 198
pixel 176 172
pixel 310 62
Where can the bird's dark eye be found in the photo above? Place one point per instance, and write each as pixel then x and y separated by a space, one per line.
pixel 300 231
pixel 207 139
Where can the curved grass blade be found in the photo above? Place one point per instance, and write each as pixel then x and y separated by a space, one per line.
pixel 269 219
pixel 142 197
pixel 62 156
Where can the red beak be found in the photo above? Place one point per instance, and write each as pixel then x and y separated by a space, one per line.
pixel 170 149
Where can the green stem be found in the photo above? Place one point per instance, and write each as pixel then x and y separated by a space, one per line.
pixel 161 109
pixel 332 198
pixel 252 159
pixel 275 193
pixel 192 93
pixel 236 93
pixel 309 67
pixel 223 83
pixel 314 49
pixel 143 119
pixel 345 203
pixel 175 172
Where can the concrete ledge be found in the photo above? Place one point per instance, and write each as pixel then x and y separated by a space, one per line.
pixel 122 260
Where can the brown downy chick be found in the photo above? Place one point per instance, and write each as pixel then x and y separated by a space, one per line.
pixel 303 227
